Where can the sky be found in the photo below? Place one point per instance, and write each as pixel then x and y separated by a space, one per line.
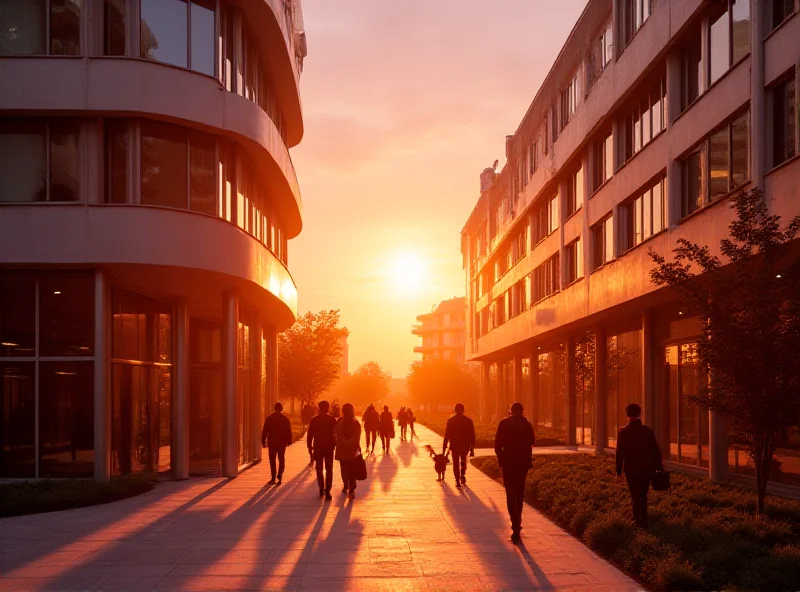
pixel 405 102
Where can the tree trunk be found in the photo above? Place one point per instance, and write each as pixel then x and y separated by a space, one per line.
pixel 763 451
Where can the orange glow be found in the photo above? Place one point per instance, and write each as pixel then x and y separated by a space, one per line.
pixel 407 273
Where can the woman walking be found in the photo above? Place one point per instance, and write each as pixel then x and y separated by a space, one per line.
pixel 387 428
pixel 348 446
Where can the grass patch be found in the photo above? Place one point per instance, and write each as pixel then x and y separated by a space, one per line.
pixel 702 535
pixel 484 431
pixel 50 495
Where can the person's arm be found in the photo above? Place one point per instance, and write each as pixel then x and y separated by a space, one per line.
pixel 621 452
pixel 310 435
pixel 446 437
pixel 289 435
pixel 471 438
pixel 498 442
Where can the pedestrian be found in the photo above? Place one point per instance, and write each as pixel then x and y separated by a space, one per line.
pixel 371 421
pixel 460 434
pixel 638 457
pixel 276 435
pixel 386 427
pixel 512 445
pixel 321 443
pixel 402 421
pixel 335 411
pixel 348 447
pixel 306 415
pixel 411 420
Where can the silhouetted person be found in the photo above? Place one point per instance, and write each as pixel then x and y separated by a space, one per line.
pixel 411 420
pixel 512 445
pixel 321 443
pixel 348 445
pixel 460 434
pixel 386 428
pixel 306 415
pixel 638 456
pixel 402 421
pixel 372 422
pixel 276 435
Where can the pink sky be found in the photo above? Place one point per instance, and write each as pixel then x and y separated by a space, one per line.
pixel 405 103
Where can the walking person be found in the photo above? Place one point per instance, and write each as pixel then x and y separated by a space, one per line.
pixel 321 442
pixel 402 421
pixel 372 422
pixel 335 411
pixel 276 435
pixel 638 457
pixel 512 445
pixel 411 420
pixel 460 434
pixel 386 427
pixel 348 447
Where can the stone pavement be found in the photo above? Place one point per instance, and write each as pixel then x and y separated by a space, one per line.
pixel 404 531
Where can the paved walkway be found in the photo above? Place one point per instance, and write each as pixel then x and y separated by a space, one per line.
pixel 404 531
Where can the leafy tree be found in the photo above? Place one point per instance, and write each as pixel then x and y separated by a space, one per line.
pixel 442 382
pixel 750 314
pixel 368 384
pixel 308 355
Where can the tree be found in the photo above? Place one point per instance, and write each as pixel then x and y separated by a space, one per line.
pixel 750 315
pixel 309 355
pixel 441 382
pixel 368 384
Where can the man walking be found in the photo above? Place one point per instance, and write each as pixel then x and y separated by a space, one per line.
pixel 638 456
pixel 321 443
pixel 276 435
pixel 371 422
pixel 512 445
pixel 460 434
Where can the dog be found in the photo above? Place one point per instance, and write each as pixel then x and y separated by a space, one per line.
pixel 440 462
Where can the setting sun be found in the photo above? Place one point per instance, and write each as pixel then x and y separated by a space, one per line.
pixel 407 272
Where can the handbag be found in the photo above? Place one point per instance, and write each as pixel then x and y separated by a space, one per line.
pixel 660 481
pixel 360 467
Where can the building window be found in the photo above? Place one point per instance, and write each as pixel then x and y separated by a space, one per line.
pixel 728 37
pixel 574 254
pixel 24 27
pixel 645 120
pixel 573 200
pixel 533 158
pixel 569 101
pixel 784 121
pixel 780 11
pixel 718 166
pixel 545 279
pixel 691 69
pixel 545 219
pixel 39 160
pixel 603 241
pixel 164 163
pixel 603 161
pixel 114 27
pixel 644 215
pixel 554 127
pixel 599 56
pixel 633 14
pixel 179 32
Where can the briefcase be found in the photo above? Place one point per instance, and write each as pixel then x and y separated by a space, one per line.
pixel 360 468
pixel 660 481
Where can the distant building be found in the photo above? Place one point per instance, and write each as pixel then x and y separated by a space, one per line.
pixel 442 331
pixel 344 355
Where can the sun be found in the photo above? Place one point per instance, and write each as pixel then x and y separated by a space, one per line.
pixel 407 273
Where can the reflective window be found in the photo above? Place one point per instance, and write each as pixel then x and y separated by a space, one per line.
pixel 740 29
pixel 22 27
pixel 202 165
pixel 781 10
pixel 202 20
pixel 603 242
pixel 633 14
pixel 114 27
pixel 784 121
pixel 644 215
pixel 574 254
pixel 226 47
pixel 646 119
pixel 164 165
pixel 573 199
pixel 116 161
pixel 545 279
pixel 17 315
pixel 692 71
pixel 164 25
pixel 65 27
pixel 66 315
pixel 718 151
pixel 551 377
pixel 692 170
pixel 23 160
pixel 64 161
pixel 624 379
pixel 719 42
pixel 17 419
pixel 66 419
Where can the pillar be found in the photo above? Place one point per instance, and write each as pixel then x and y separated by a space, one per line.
pixel 180 410
pixel 601 393
pixel 650 415
pixel 272 365
pixel 518 394
pixel 757 118
pixel 672 203
pixel 102 382
pixel 484 392
pixel 571 396
pixel 717 447
pixel 230 415
pixel 533 413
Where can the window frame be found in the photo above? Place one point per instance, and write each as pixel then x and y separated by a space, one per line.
pixel 599 235
pixel 628 240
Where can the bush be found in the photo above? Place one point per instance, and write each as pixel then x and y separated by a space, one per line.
pixel 50 495
pixel 702 535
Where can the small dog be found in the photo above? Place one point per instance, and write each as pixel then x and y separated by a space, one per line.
pixel 440 462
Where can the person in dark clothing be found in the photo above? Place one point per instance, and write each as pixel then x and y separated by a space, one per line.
pixel 336 411
pixel 371 421
pixel 348 447
pixel 276 435
pixel 638 457
pixel 411 420
pixel 386 428
pixel 402 421
pixel 460 434
pixel 321 443
pixel 512 445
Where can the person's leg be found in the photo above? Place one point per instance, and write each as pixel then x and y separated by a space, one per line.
pixel 328 471
pixel 519 497
pixel 271 452
pixel 464 468
pixel 637 486
pixel 320 458
pixel 344 469
pixel 456 469
pixel 281 462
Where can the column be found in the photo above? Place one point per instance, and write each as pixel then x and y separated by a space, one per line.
pixel 757 118
pixel 650 415
pixel 533 412
pixel 230 416
pixel 601 425
pixel 256 412
pixel 102 374
pixel 272 365
pixel 180 410
pixel 571 396
pixel 717 447
pixel 518 394
pixel 484 391
pixel 672 203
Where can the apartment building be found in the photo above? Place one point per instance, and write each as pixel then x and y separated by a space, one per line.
pixel 147 199
pixel 654 114
pixel 442 331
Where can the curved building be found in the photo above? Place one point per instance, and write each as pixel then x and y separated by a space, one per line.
pixel 147 198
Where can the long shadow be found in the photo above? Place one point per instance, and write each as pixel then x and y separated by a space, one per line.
pixel 387 469
pixel 463 507
pixel 406 451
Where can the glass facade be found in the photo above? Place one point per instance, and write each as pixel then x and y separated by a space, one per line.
pixel 688 424
pixel 623 378
pixel 24 27
pixel 584 389
pixel 552 389
pixel 46 374
pixel 244 390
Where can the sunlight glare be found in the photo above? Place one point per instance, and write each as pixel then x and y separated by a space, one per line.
pixel 407 273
